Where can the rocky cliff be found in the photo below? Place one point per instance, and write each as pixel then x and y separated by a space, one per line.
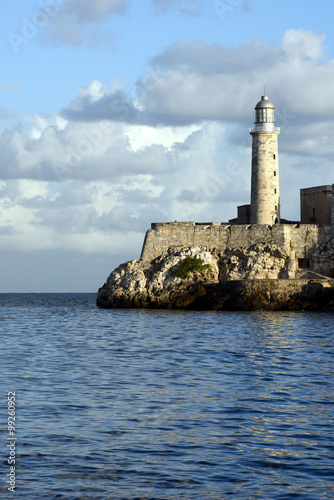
pixel 262 276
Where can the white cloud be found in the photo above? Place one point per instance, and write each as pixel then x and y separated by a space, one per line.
pixel 96 102
pixel 301 44
pixel 212 79
pixel 87 10
pixel 97 197
pixel 313 140
pixel 74 22
pixel 193 81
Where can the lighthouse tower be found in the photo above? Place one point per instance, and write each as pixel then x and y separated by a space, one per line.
pixel 265 204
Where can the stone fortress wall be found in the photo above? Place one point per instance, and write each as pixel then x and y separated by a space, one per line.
pixel 295 238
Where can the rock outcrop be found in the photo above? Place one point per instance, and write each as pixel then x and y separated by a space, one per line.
pixel 262 276
pixel 261 261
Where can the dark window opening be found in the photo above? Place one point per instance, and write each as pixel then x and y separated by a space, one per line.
pixel 274 156
pixel 276 208
pixel 275 190
pixel 274 173
pixel 303 263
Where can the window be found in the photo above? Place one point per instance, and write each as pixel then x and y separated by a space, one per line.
pixel 264 115
pixel 276 208
pixel 274 156
pixel 304 263
pixel 274 173
pixel 275 191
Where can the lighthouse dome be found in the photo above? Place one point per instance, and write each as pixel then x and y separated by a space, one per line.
pixel 264 103
pixel 264 111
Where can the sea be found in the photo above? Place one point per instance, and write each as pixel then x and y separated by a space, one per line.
pixel 156 404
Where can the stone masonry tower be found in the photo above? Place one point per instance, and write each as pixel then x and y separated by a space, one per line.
pixel 265 204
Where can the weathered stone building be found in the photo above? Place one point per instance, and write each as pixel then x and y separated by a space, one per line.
pixel 316 205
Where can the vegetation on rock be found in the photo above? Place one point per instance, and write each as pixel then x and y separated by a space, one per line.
pixel 189 265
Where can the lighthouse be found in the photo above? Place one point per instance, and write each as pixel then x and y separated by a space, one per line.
pixel 265 200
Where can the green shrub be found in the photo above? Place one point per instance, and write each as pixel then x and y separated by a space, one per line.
pixel 189 265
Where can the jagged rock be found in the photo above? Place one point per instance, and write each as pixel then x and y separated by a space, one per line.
pixel 125 287
pixel 138 284
pixel 240 278
pixel 322 258
pixel 261 261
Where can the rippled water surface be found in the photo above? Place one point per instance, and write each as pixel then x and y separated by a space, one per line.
pixel 135 404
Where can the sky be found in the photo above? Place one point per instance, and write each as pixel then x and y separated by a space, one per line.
pixel 118 113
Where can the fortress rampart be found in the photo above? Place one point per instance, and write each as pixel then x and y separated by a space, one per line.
pixel 298 239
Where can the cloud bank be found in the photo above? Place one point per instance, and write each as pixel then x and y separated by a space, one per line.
pixel 74 20
pixel 92 176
